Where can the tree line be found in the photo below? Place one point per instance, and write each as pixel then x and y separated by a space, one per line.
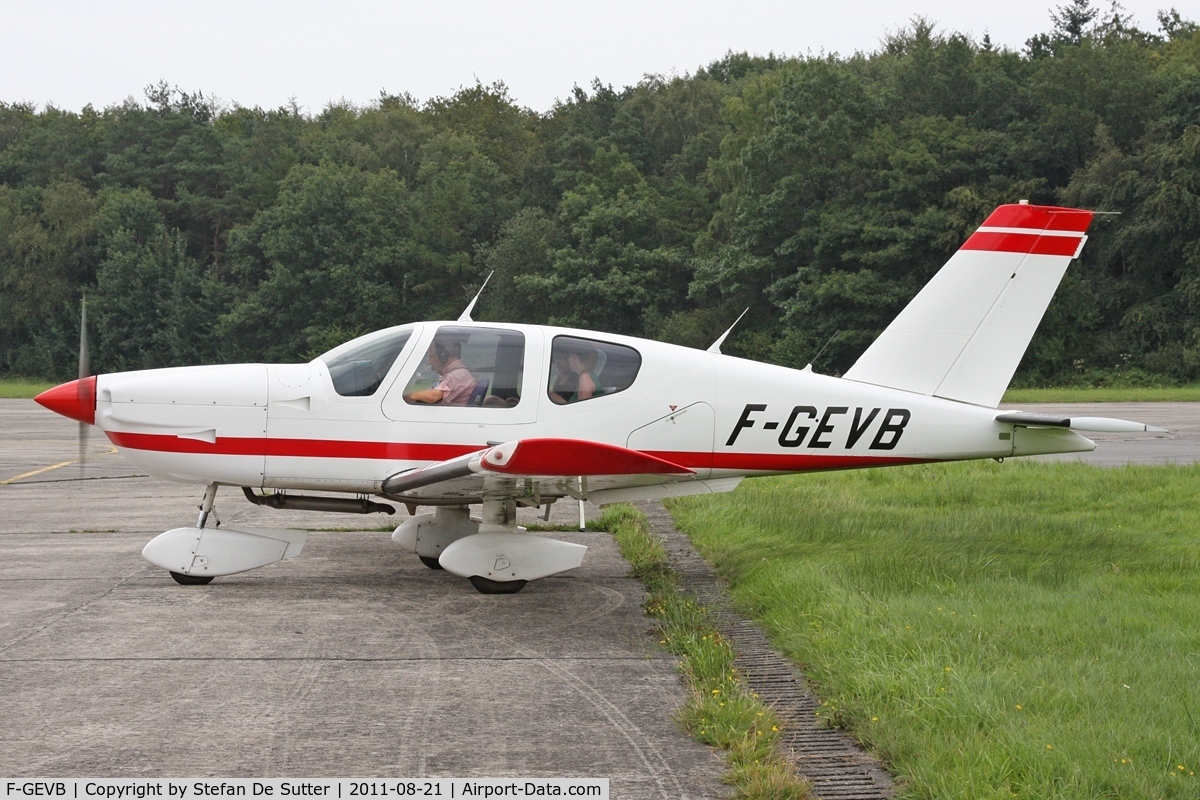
pixel 820 192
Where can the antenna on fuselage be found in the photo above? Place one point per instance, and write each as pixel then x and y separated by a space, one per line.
pixel 715 347
pixel 808 368
pixel 466 315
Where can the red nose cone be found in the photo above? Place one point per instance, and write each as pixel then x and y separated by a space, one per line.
pixel 76 400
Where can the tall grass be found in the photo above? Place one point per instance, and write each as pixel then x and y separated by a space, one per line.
pixel 990 630
pixel 22 387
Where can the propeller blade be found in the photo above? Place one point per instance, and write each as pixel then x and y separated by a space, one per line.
pixel 85 371
pixel 83 446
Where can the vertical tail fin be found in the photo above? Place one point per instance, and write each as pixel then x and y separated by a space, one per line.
pixel 964 334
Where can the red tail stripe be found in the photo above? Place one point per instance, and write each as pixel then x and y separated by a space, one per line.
pixel 1023 243
pixel 1039 218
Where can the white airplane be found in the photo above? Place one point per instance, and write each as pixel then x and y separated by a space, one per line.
pixel 448 414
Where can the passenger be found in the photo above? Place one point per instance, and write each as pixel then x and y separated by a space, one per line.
pixel 567 382
pixel 583 363
pixel 456 383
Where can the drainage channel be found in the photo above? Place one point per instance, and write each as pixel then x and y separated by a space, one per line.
pixel 836 766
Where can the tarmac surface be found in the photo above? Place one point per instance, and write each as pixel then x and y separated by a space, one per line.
pixel 1179 445
pixel 353 660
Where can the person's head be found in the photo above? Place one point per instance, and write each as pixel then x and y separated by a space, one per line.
pixel 561 362
pixel 582 359
pixel 442 353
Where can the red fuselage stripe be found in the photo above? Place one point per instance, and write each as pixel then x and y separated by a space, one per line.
pixel 407 451
pixel 300 448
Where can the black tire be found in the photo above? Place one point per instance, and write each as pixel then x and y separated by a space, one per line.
pixel 431 562
pixel 191 580
pixel 488 586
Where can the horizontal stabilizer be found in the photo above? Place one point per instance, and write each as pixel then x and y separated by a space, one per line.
pixel 1096 424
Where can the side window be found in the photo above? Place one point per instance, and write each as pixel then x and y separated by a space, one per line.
pixel 358 371
pixel 470 367
pixel 581 369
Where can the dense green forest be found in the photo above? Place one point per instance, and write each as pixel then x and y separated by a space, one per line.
pixel 821 192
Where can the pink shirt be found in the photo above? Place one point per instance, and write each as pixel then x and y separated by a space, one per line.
pixel 456 384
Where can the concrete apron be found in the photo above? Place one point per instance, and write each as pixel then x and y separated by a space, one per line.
pixel 352 660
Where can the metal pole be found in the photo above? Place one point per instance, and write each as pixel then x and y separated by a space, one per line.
pixel 582 513
pixel 210 494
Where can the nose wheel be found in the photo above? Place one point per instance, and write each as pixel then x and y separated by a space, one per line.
pixel 431 562
pixel 488 586
pixel 206 508
pixel 191 580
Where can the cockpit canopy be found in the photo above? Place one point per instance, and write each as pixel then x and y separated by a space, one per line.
pixel 358 367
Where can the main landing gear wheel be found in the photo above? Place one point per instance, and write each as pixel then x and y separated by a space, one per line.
pixel 489 586
pixel 191 580
pixel 431 562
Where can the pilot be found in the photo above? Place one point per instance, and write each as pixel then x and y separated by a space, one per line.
pixel 456 383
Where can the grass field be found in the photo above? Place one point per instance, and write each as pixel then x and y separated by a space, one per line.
pixel 21 387
pixel 990 630
pixel 1177 394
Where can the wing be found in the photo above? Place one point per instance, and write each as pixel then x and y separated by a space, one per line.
pixel 536 468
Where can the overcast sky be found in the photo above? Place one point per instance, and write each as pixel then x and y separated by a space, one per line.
pixel 264 52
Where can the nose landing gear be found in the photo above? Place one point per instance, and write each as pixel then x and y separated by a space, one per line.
pixel 206 508
pixel 191 580
pixel 488 586
pixel 194 556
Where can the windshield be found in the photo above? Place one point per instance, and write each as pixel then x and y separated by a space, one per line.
pixel 358 370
